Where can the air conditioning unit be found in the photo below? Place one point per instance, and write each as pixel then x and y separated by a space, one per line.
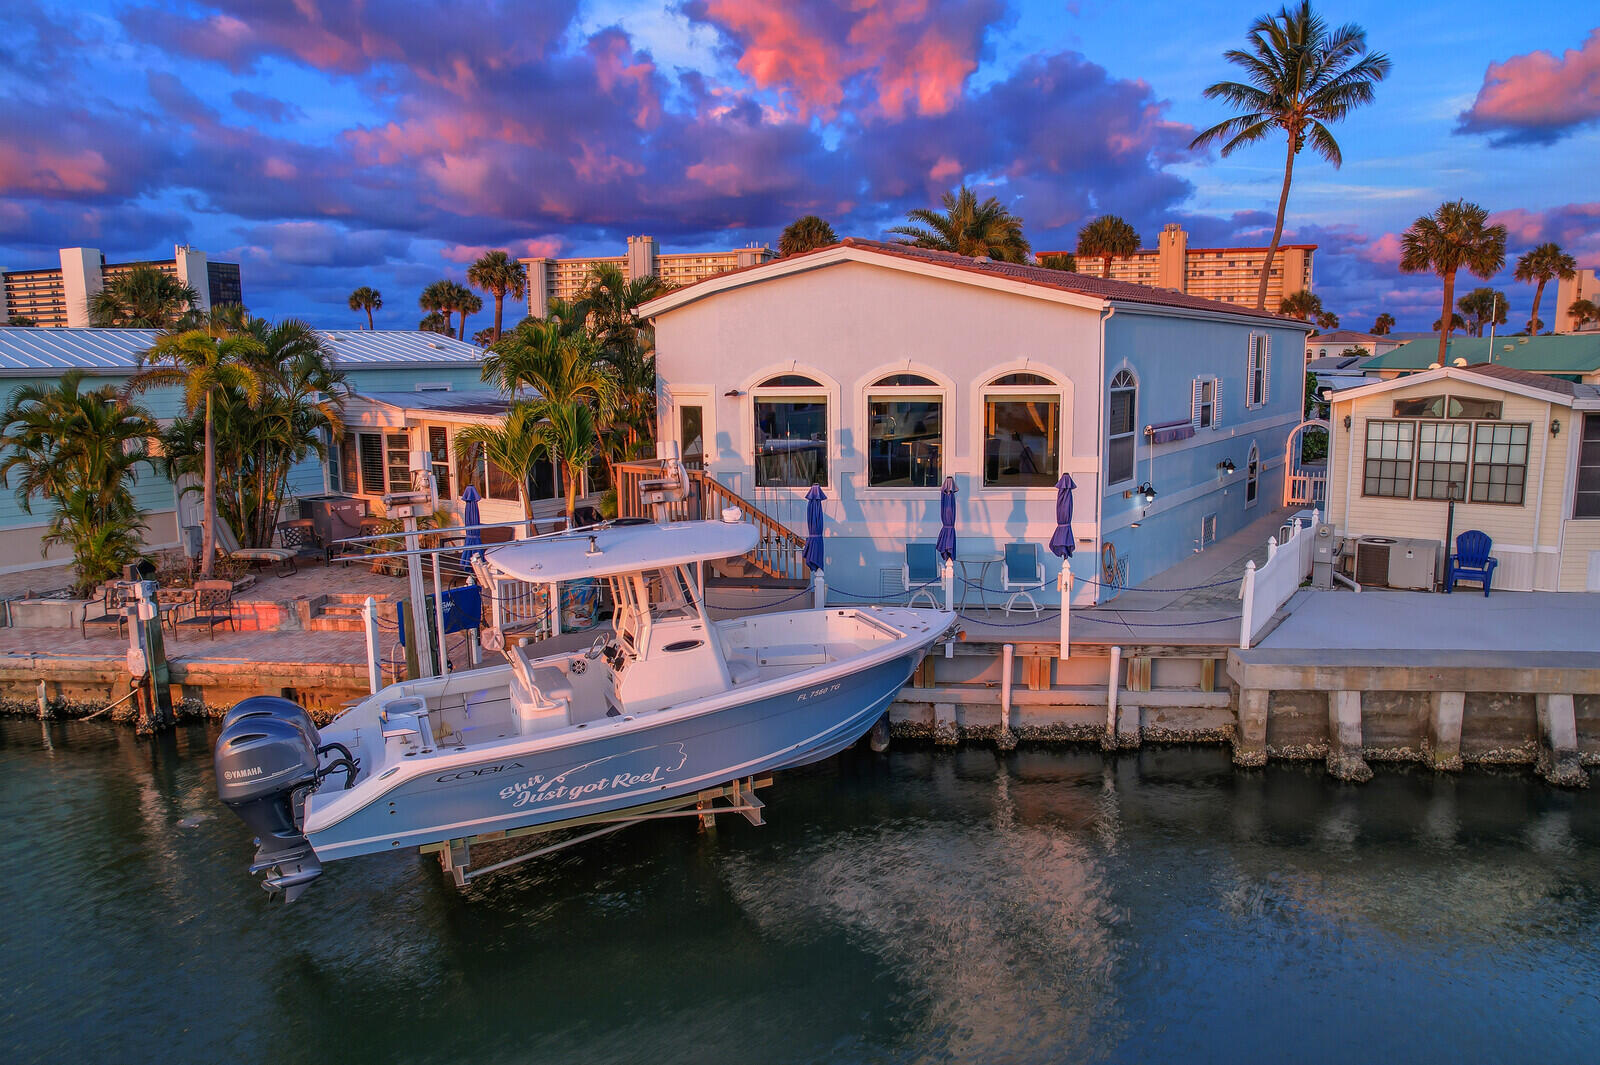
pixel 1412 564
pixel 1372 559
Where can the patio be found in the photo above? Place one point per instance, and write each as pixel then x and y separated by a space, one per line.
pixel 1428 621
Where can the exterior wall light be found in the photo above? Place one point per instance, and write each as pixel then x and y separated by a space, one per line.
pixel 1148 492
pixel 1226 467
pixel 1555 426
pixel 1347 423
pixel 732 393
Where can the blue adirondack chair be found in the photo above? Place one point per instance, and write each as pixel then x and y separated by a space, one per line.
pixel 1471 560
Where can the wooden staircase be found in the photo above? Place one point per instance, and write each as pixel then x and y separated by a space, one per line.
pixel 779 554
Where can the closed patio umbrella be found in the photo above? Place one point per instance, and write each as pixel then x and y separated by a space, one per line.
pixel 470 518
pixel 1061 542
pixel 947 519
pixel 813 551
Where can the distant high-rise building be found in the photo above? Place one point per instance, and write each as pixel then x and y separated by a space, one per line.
pixel 550 279
pixel 1582 286
pixel 1232 275
pixel 58 296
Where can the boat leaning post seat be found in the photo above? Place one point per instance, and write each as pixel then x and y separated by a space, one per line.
pixel 540 695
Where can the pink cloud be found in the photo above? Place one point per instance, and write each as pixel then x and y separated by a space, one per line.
pixel 1383 251
pixel 945 170
pixel 44 170
pixel 1538 97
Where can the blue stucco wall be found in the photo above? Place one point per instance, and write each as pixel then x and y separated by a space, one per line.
pixel 1166 354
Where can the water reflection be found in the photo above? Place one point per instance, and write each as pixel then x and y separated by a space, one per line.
pixel 923 906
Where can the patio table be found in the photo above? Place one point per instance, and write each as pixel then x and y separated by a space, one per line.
pixel 981 562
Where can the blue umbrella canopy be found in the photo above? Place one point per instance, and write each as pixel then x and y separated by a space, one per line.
pixel 469 518
pixel 1061 542
pixel 947 519
pixel 813 552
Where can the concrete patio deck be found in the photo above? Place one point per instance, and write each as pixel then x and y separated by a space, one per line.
pixel 1430 621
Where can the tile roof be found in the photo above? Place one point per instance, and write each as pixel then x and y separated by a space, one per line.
pixel 26 351
pixel 1527 378
pixel 1563 353
pixel 1040 276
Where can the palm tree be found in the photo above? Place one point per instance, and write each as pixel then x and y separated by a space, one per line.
pixel 1302 305
pixel 438 298
pixel 513 446
pixel 968 227
pixel 1382 324
pixel 1543 264
pixel 610 304
pixel 467 302
pixel 204 364
pixel 1105 238
pixel 1583 312
pixel 142 298
pixel 1327 321
pixel 806 233
pixel 1302 76
pixel 1457 324
pixel 541 356
pixel 1455 235
pixel 571 434
pixel 1058 260
pixel 498 274
pixel 366 299
pixel 79 450
pixel 1482 306
pixel 436 322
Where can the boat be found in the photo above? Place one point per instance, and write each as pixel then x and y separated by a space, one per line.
pixel 660 710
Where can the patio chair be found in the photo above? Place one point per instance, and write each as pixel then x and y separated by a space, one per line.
pixel 300 536
pixel 212 605
pixel 228 544
pixel 107 611
pixel 1022 574
pixel 1471 561
pixel 919 572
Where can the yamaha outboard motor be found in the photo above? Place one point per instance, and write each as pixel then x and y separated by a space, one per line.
pixel 266 761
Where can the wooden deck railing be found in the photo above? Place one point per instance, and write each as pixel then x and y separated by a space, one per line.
pixel 779 553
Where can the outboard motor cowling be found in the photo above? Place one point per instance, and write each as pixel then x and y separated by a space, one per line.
pixel 272 706
pixel 265 763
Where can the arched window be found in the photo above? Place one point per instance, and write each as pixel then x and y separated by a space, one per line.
pixel 1021 431
pixel 1120 428
pixel 905 432
pixel 1252 475
pixel 790 431
pixel 790 380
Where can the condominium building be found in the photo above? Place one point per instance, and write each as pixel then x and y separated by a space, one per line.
pixel 1232 275
pixel 58 296
pixel 1581 286
pixel 550 279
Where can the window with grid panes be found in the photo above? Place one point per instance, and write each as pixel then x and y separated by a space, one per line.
pixel 1442 450
pixel 1586 501
pixel 1499 463
pixel 1388 462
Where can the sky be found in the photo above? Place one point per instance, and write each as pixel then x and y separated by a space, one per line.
pixel 326 144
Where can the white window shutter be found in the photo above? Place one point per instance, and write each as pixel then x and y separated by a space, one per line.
pixel 1250 373
pixel 1194 404
pixel 1266 368
pixel 1216 402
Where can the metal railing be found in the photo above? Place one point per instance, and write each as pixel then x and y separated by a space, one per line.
pixel 780 552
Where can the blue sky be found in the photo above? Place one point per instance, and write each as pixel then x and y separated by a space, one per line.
pixel 326 146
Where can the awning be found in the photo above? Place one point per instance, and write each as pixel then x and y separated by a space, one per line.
pixel 1168 432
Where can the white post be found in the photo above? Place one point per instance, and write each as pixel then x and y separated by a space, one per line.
pixel 438 617
pixel 1247 592
pixel 1272 547
pixel 819 590
pixel 1110 741
pixel 1316 517
pixel 418 611
pixel 1007 653
pixel 1064 584
pixel 555 609
pixel 948 576
pixel 369 620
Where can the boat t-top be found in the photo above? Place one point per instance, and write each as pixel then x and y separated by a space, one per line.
pixel 658 710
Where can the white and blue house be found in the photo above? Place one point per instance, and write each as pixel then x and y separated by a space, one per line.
pixel 878 370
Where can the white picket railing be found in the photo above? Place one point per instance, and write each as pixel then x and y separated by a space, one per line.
pixel 1304 489
pixel 1266 589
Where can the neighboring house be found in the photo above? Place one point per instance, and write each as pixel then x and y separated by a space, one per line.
pixel 373 361
pixel 876 370
pixel 383 428
pixel 1571 357
pixel 1342 341
pixel 1519 451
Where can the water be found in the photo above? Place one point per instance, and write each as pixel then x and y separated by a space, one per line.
pixel 919 907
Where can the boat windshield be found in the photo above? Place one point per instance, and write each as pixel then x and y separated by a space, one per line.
pixel 651 595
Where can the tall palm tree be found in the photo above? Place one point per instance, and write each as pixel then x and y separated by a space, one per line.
pixel 968 227
pixel 1302 76
pixel 467 302
pixel 1105 238
pixel 610 304
pixel 498 274
pixel 556 365
pixel 366 299
pixel 571 434
pixel 1583 312
pixel 1482 306
pixel 513 446
pixel 1455 235
pixel 204 364
pixel 1303 305
pixel 142 298
pixel 806 233
pixel 438 298
pixel 1382 324
pixel 1543 264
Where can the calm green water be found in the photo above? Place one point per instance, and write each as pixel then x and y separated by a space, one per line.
pixel 915 907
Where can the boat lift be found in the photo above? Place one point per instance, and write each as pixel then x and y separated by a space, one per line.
pixel 455 855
